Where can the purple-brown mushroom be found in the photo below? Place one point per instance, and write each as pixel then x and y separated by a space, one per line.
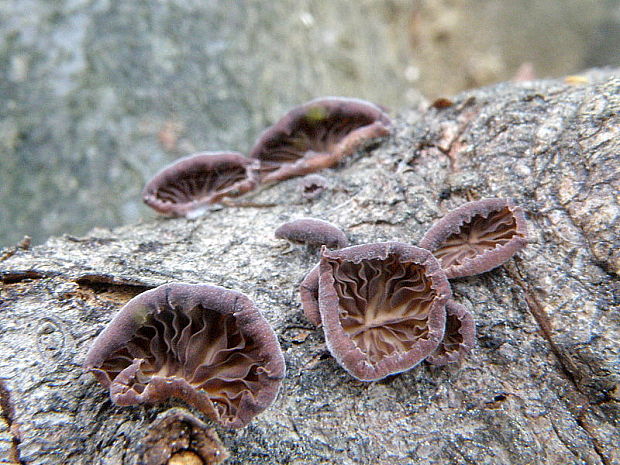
pixel 477 237
pixel 309 295
pixel 317 135
pixel 459 336
pixel 312 232
pixel 190 184
pixel 206 345
pixel 312 186
pixel 382 307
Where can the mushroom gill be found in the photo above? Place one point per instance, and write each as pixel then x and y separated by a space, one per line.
pixel 206 345
pixel 382 307
pixel 317 135
pixel 190 184
pixel 477 237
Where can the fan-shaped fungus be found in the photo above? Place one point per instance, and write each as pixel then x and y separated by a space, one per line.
pixel 187 186
pixel 458 338
pixel 477 237
pixel 312 232
pixel 317 135
pixel 382 307
pixel 206 345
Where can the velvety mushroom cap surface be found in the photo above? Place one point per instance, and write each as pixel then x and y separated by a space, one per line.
pixel 317 135
pixel 382 307
pixel 477 237
pixel 313 232
pixel 206 345
pixel 459 336
pixel 309 295
pixel 196 181
pixel 312 186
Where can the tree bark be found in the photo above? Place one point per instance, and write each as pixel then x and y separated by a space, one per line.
pixel 542 385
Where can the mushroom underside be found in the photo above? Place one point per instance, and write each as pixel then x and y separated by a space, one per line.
pixel 200 346
pixel 476 237
pixel 384 305
pixel 459 336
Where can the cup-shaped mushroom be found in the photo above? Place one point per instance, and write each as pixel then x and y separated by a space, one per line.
pixel 312 232
pixel 477 237
pixel 190 184
pixel 382 307
pixel 459 336
pixel 206 345
pixel 317 135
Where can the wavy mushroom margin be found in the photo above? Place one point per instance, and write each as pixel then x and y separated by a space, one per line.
pixel 477 236
pixel 206 345
pixel 192 183
pixel 382 307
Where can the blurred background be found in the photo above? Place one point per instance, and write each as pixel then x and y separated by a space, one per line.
pixel 98 95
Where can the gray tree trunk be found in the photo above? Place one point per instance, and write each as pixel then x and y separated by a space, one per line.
pixel 98 95
pixel 542 385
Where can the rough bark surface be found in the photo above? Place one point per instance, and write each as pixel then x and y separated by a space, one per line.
pixel 542 385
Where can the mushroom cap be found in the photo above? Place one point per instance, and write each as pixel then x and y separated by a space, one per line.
pixel 312 186
pixel 206 345
pixel 382 307
pixel 459 336
pixel 193 182
pixel 477 237
pixel 317 135
pixel 313 232
pixel 309 294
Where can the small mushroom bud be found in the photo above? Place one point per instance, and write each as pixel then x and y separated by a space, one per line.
pixel 312 232
pixel 312 186
pixel 176 432
pixel 459 336
pixel 309 294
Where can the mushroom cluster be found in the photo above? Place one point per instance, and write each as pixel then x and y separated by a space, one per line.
pixel 206 345
pixel 387 306
pixel 384 307
pixel 311 137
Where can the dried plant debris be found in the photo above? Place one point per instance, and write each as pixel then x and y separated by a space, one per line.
pixel 382 307
pixel 459 336
pixel 477 236
pixel 442 103
pixel 309 295
pixel 317 135
pixel 206 345
pixel 175 434
pixel 312 232
pixel 189 185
